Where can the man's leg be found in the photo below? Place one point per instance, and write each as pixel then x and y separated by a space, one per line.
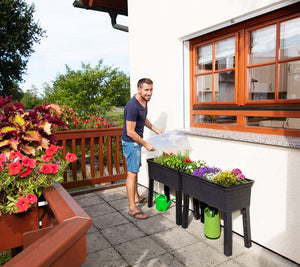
pixel 131 186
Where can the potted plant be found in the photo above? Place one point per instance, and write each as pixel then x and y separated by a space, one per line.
pixel 29 162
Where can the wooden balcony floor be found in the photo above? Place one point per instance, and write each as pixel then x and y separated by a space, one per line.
pixel 116 239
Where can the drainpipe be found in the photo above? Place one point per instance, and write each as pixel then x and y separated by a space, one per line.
pixel 113 17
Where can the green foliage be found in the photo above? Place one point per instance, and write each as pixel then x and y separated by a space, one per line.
pixel 5 256
pixel 90 90
pixel 18 33
pixel 175 161
pixel 30 98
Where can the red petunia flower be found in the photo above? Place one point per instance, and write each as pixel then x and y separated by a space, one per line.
pixel 26 173
pixel 32 198
pixel 71 157
pixel 14 155
pixel 27 162
pixel 46 158
pixel 54 168
pixel 52 150
pixel 22 204
pixel 46 168
pixel 15 168
pixel 2 158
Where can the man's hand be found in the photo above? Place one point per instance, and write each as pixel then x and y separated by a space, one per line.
pixel 149 147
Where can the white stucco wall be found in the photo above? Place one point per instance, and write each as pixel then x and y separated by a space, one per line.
pixel 157 31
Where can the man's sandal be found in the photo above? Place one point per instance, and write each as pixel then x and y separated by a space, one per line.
pixel 134 215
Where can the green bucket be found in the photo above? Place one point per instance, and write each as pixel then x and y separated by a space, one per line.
pixel 212 228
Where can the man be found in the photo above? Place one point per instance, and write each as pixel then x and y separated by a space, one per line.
pixel 135 118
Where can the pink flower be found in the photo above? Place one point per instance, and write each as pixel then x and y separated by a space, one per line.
pixel 15 168
pixel 26 173
pixel 70 110
pixel 76 122
pixel 31 198
pixel 27 162
pixel 22 204
pixel 71 157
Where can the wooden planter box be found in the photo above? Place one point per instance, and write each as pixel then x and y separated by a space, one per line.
pixel 63 241
pixel 230 198
pixel 13 226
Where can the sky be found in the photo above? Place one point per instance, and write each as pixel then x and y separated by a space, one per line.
pixel 74 35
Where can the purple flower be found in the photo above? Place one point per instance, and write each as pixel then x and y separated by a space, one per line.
pixel 203 171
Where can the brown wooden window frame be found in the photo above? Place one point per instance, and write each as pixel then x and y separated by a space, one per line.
pixel 243 107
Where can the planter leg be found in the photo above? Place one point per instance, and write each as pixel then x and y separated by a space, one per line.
pixel 227 233
pixel 202 207
pixel 185 217
pixel 150 193
pixel 178 207
pixel 247 229
pixel 196 209
pixel 167 192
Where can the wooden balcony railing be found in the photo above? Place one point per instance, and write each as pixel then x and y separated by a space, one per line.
pixel 99 156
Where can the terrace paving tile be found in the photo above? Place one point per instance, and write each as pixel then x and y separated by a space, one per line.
pixel 117 239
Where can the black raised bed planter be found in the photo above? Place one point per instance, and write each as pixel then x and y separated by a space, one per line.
pixel 227 199
pixel 170 178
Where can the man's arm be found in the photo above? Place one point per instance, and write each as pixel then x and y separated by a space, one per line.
pixel 149 125
pixel 130 126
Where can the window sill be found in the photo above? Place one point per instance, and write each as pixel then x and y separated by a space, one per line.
pixel 264 139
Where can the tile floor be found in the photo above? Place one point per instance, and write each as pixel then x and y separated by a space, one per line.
pixel 116 239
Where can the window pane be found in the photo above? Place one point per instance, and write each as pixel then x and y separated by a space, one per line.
pixel 204 58
pixel 225 54
pixel 289 80
pixel 290 38
pixel 218 119
pixel 204 88
pixel 262 45
pixel 290 123
pixel 261 82
pixel 224 86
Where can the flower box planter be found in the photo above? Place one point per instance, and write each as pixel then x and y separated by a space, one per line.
pixel 13 226
pixel 170 178
pixel 227 199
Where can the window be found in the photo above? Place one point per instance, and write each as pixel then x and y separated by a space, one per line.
pixel 247 77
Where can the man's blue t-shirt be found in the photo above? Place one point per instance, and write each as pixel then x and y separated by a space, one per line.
pixel 134 111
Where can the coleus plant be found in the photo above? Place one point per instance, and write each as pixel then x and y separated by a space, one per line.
pixel 29 157
pixel 27 132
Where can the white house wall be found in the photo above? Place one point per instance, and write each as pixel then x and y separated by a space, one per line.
pixel 158 32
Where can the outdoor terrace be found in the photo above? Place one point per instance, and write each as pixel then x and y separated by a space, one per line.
pixel 116 239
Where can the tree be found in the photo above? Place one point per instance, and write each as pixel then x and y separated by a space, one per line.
pixel 18 33
pixel 31 99
pixel 90 89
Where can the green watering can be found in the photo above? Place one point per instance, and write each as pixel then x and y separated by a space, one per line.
pixel 212 229
pixel 161 202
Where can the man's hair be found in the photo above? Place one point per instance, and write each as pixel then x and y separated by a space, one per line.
pixel 142 81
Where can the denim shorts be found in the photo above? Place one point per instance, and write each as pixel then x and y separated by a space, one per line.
pixel 132 153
